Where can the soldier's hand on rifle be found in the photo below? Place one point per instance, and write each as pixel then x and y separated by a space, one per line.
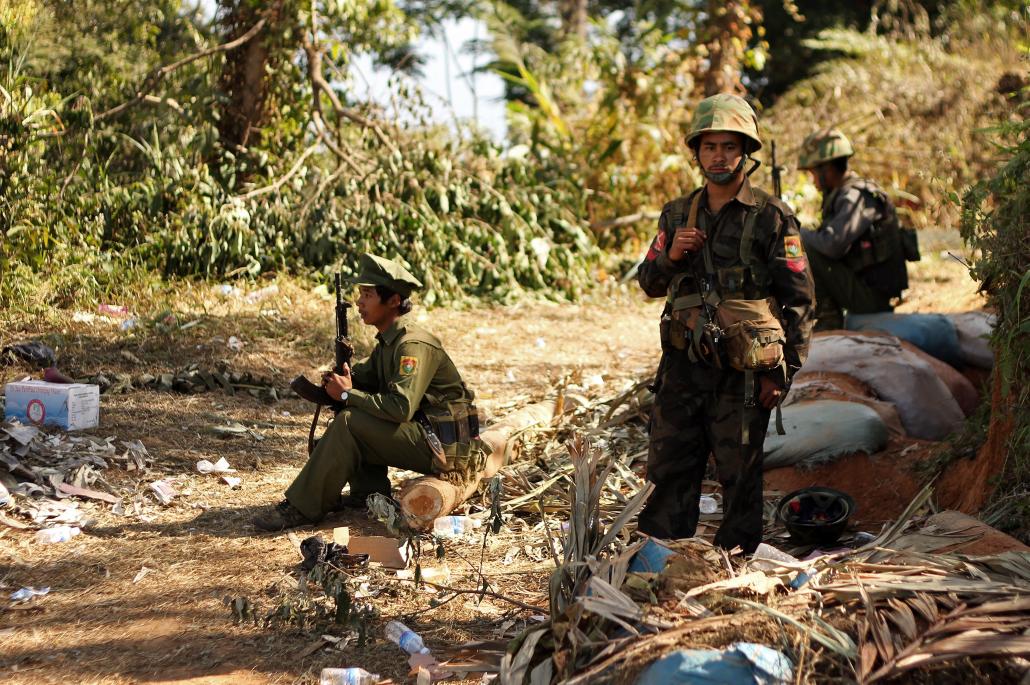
pixel 337 384
pixel 686 240
pixel 769 392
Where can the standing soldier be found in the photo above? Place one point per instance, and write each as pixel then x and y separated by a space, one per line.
pixel 735 329
pixel 406 406
pixel 857 253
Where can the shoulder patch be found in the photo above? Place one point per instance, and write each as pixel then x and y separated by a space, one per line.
pixel 408 365
pixel 657 245
pixel 794 253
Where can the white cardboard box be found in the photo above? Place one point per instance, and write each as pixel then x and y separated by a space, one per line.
pixel 71 406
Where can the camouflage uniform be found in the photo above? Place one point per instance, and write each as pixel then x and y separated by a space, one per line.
pixel 701 410
pixel 856 254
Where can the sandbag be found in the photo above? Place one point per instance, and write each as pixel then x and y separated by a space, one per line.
pixel 935 334
pixel 974 331
pixel 927 408
pixel 819 432
pixel 838 386
pixel 961 388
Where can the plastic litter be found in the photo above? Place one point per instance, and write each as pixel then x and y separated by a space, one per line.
pixel 262 293
pixel 742 663
pixel 454 526
pixel 163 490
pixel 113 309
pixel 220 466
pixel 770 553
pixel 128 324
pixel 232 481
pixel 651 558
pixel 235 344
pixel 33 353
pixel 27 593
pixel 708 505
pixel 49 536
pixel 406 638
pixel 347 676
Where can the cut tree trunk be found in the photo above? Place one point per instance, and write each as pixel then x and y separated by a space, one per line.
pixel 427 498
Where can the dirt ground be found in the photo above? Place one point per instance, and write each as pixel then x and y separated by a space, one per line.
pixel 106 620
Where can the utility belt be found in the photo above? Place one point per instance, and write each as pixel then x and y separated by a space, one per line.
pixel 452 432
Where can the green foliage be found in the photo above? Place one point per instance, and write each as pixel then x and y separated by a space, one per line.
pixel 996 222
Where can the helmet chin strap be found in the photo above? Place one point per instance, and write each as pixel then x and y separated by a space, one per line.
pixel 726 177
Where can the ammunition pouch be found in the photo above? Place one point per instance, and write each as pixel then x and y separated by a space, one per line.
pixel 452 430
pixel 689 328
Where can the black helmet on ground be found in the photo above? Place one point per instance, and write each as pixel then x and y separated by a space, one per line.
pixel 815 516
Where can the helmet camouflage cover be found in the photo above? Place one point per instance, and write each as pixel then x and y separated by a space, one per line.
pixel 822 146
pixel 725 113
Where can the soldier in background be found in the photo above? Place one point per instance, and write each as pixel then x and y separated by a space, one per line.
pixel 857 254
pixel 726 253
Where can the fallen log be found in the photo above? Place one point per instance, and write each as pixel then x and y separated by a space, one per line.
pixel 426 498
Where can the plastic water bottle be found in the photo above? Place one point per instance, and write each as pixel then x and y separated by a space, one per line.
pixel 347 676
pixel 406 638
pixel 454 526
pixel 708 505
pixel 770 553
pixel 56 534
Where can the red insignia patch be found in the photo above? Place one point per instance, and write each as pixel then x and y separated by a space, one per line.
pixel 657 245
pixel 798 264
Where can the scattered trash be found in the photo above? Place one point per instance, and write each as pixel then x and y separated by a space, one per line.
pixel 220 466
pixel 140 575
pixel 27 593
pixel 405 638
pixel 509 377
pixel 73 490
pixel 651 558
pixel 709 505
pixel 383 550
pixel 235 344
pixel 34 353
pixel 128 324
pixel 227 290
pixel 347 676
pixel 315 551
pixel 742 663
pixel 69 406
pixel 455 526
pixel 113 309
pixel 262 293
pixel 164 491
pixel 232 481
pixel 5 496
pixel 816 515
pixel 190 380
pixel 770 553
pixel 541 343
pixel 50 536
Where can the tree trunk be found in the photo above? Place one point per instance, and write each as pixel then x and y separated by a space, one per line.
pixel 244 81
pixel 728 31
pixel 573 17
pixel 427 498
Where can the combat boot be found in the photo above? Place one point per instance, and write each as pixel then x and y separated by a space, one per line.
pixel 283 516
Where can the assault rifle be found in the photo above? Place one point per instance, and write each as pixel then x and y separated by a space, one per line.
pixel 344 350
pixel 777 183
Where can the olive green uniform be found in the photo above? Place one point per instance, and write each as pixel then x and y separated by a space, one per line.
pixel 701 410
pixel 406 388
pixel 856 254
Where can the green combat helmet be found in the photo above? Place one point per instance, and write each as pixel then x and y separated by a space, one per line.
pixel 725 113
pixel 822 146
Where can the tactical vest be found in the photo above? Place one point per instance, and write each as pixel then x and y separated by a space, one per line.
pixel 451 424
pixel 878 255
pixel 743 332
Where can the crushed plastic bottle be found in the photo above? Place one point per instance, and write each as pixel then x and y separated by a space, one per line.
pixel 49 536
pixel 454 526
pixel 770 553
pixel 406 638
pixel 347 676
pixel 709 505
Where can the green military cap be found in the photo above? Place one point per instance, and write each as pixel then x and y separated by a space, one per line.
pixel 822 146
pixel 387 273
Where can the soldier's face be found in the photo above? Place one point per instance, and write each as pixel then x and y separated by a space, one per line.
pixel 372 310
pixel 720 152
